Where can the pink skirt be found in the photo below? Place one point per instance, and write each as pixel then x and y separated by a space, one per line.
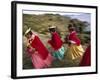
pixel 39 63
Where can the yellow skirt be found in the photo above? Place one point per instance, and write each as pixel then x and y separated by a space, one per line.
pixel 75 51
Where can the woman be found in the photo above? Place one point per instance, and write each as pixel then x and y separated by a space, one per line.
pixel 74 43
pixel 40 56
pixel 56 44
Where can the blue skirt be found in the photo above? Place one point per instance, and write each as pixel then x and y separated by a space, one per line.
pixel 59 54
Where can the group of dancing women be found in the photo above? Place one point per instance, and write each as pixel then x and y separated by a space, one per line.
pixel 41 57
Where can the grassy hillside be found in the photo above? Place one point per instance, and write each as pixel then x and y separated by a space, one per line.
pixel 40 23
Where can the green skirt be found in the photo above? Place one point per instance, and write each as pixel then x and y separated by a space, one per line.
pixel 59 54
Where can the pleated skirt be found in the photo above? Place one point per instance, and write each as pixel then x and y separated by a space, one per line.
pixel 75 51
pixel 39 63
pixel 59 54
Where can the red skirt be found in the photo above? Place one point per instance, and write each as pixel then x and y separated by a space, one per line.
pixel 86 60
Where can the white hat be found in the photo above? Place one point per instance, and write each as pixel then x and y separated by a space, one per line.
pixel 52 27
pixel 27 31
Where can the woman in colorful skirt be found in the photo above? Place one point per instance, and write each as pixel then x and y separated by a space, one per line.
pixel 56 44
pixel 40 56
pixel 74 43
